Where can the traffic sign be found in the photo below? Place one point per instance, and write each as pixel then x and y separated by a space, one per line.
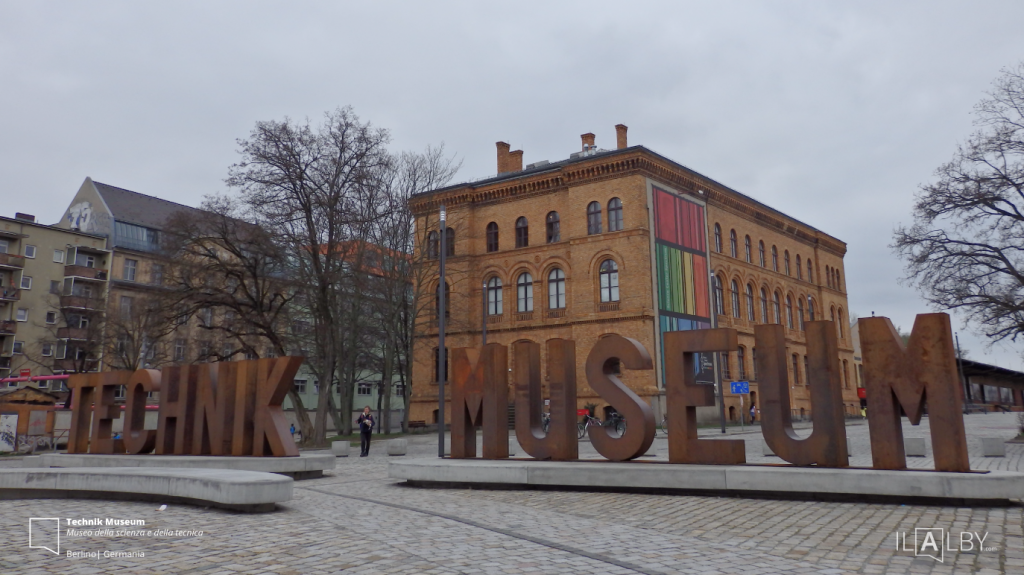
pixel 739 387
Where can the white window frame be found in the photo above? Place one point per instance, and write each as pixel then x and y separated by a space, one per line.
pixel 51 314
pixel 47 350
pixel 23 278
pixel 5 245
pixel 58 256
pixel 18 348
pixel 30 248
pixel 19 314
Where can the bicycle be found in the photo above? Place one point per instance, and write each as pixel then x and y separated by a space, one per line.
pixel 664 425
pixel 616 421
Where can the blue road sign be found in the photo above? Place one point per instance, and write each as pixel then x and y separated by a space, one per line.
pixel 739 387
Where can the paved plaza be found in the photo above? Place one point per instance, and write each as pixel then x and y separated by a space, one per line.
pixel 356 520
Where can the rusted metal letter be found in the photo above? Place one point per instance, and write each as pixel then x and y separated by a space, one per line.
pixel 639 434
pixel 177 409
pixel 215 409
pixel 480 399
pixel 270 434
pixel 826 446
pixel 246 374
pixel 896 376
pixel 684 395
pixel 105 412
pixel 560 443
pixel 83 387
pixel 138 439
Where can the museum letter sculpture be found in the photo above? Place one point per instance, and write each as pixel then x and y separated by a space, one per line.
pixel 480 399
pixel 826 446
pixel 684 396
pixel 639 434
pixel 204 409
pixel 560 443
pixel 898 377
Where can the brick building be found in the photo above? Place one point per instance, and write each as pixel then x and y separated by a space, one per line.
pixel 625 241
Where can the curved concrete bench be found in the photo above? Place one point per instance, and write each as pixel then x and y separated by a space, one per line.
pixel 305 466
pixel 250 491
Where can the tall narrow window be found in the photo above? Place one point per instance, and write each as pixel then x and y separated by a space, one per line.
pixel 449 242
pixel 723 358
pixel 810 309
pixel 614 215
pixel 746 246
pixel 799 270
pixel 807 371
pixel 556 289
pixel 776 308
pixel 447 301
pixel 760 254
pixel 522 232
pixel 524 291
pixel 753 363
pixel 846 374
pixel 130 267
pixel 750 302
pixel 832 313
pixel 553 228
pixel 796 369
pixel 775 258
pixel 764 306
pixel 789 312
pixel 494 296
pixel 718 238
pixel 800 312
pixel 593 218
pixel 492 237
pixel 828 276
pixel 609 281
pixel 741 368
pixel 735 292
pixel 719 296
pixel 785 261
pixel 839 322
pixel 810 271
pixel 839 284
pixel 732 243
pixel 433 243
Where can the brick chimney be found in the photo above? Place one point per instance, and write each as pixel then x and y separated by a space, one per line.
pixel 588 140
pixel 502 157
pixel 515 161
pixel 620 136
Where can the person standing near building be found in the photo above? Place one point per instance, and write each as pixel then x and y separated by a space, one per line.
pixel 365 429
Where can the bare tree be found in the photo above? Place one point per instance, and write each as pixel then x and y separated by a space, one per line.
pixel 135 331
pixel 964 249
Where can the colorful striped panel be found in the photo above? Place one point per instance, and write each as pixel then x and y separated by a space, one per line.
pixel 679 221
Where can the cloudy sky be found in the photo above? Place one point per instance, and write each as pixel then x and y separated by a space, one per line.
pixel 831 112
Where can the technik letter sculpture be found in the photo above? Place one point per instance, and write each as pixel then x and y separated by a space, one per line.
pixel 226 408
pixel 896 376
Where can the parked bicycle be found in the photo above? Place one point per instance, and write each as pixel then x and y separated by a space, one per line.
pixel 615 420
pixel 664 425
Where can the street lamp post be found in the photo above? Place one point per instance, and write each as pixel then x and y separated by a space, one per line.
pixel 442 359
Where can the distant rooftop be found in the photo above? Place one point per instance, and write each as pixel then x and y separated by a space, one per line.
pixel 135 208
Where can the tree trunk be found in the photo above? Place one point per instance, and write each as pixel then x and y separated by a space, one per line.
pixel 323 402
pixel 389 359
pixel 305 425
pixel 335 414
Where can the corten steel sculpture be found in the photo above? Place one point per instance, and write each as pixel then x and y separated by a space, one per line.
pixel 205 409
pixel 560 443
pixel 826 446
pixel 896 376
pixel 480 399
pixel 684 396
pixel 639 434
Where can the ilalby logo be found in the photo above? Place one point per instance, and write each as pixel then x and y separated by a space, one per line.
pixel 935 541
pixel 44 533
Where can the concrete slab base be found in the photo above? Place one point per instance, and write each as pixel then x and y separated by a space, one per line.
pixel 249 491
pixel 993 447
pixel 914 447
pixel 305 466
pixel 785 481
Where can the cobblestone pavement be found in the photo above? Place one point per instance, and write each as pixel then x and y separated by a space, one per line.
pixel 355 520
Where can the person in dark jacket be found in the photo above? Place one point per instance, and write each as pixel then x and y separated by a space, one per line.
pixel 365 429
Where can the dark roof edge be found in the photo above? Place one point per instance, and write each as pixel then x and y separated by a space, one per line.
pixel 145 195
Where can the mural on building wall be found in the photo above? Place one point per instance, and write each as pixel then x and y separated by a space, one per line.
pixel 681 265
pixel 82 216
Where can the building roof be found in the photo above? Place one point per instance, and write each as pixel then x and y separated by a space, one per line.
pixel 135 208
pixel 972 368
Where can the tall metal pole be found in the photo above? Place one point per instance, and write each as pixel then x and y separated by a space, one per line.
pixel 483 318
pixel 442 352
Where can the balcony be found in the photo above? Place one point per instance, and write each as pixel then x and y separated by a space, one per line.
pixel 73 365
pixel 5 363
pixel 11 261
pixel 75 333
pixel 82 272
pixel 8 327
pixel 9 294
pixel 608 306
pixel 80 302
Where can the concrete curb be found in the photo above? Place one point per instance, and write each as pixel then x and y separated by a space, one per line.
pixel 305 466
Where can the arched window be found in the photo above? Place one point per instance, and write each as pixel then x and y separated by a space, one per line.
pixel 522 232
pixel 810 309
pixel 609 281
pixel 799 270
pixel 494 296
pixel 777 308
pixel 832 312
pixel 796 369
pixel 614 215
pixel 447 301
pixel 785 259
pixel 449 242
pixel 741 368
pixel 839 322
pixel 800 312
pixel 746 245
pixel 775 258
pixel 810 271
pixel 524 293
pixel 593 218
pixel 719 295
pixel 556 289
pixel 846 374
pixel 789 312
pixel 732 243
pixel 828 276
pixel 433 245
pixel 492 237
pixel 760 253
pixel 764 306
pixel 718 238
pixel 750 302
pixel 735 299
pixel 839 285
pixel 553 228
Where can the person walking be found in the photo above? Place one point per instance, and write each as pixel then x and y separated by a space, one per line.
pixel 365 429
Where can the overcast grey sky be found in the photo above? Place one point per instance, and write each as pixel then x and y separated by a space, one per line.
pixel 830 112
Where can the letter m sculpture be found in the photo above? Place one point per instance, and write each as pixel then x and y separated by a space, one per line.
pixel 480 399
